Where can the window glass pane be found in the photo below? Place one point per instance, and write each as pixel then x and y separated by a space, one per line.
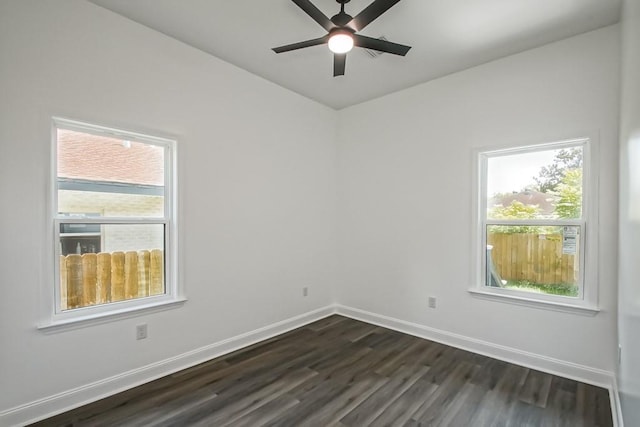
pixel 109 176
pixel 102 263
pixel 541 259
pixel 544 184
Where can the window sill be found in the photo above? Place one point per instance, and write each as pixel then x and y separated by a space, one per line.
pixel 53 325
pixel 535 303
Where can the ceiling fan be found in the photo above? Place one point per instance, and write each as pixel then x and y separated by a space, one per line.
pixel 342 28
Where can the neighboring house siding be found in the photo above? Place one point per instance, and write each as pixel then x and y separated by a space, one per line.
pixel 130 238
pixel 121 238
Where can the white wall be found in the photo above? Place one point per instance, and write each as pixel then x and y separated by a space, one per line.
pixel 257 189
pixel 629 282
pixel 405 195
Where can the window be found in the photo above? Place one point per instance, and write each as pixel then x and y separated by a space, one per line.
pixel 533 223
pixel 113 221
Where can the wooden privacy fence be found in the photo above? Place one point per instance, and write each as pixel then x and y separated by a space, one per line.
pixel 90 279
pixel 537 258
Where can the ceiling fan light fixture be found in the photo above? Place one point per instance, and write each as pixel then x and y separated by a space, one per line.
pixel 341 41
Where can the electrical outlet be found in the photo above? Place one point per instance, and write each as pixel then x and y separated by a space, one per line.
pixel 432 302
pixel 141 331
pixel 305 291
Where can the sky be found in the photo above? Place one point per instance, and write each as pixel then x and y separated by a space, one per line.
pixel 514 172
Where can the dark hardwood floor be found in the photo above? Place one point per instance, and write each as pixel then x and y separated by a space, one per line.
pixel 342 372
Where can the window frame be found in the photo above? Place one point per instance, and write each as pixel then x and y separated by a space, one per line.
pixel 587 300
pixel 173 294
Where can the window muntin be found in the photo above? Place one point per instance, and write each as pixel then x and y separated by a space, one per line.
pixel 120 254
pixel 533 221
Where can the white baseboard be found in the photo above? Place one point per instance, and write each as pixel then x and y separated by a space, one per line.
pixel 586 374
pixel 616 408
pixel 70 399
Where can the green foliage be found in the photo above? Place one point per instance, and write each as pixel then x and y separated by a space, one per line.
pixel 551 176
pixel 516 210
pixel 565 289
pixel 569 192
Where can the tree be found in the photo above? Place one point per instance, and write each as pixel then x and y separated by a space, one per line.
pixel 551 176
pixel 569 192
pixel 516 210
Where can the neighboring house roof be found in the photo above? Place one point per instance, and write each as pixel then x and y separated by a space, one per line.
pixel 99 158
pixel 544 201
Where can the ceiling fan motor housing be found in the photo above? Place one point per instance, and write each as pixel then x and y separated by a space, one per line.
pixel 342 18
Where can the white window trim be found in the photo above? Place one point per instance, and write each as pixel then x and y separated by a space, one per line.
pixel 54 318
pixel 587 301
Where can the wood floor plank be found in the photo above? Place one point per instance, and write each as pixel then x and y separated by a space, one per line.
pixel 490 373
pixel 445 363
pixel 525 415
pixel 593 404
pixel 403 408
pixel 356 334
pixel 341 359
pixel 459 404
pixel 372 407
pixel 498 401
pixel 343 403
pixel 267 412
pixel 327 322
pixel 346 373
pixel 437 405
pixel 163 414
pixel 314 401
pixel 535 390
pixel 238 408
pixel 563 405
pixel 468 405
pixel 392 363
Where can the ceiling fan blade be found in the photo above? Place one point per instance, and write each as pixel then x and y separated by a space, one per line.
pixel 315 14
pixel 371 12
pixel 300 45
pixel 339 63
pixel 380 45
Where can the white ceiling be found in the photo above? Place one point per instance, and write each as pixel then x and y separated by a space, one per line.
pixel 446 36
